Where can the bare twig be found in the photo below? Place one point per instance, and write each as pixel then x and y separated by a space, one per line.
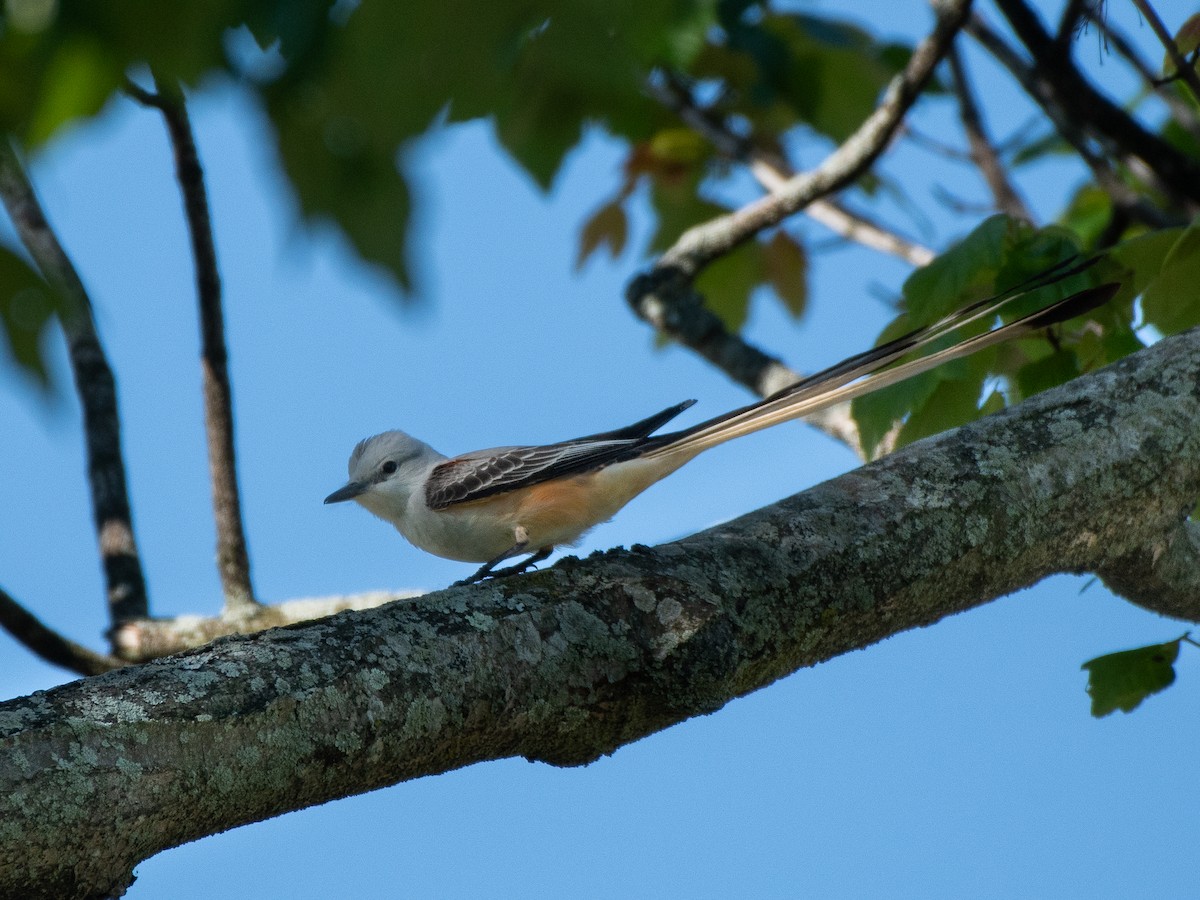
pixel 1081 103
pixel 49 644
pixel 94 382
pixel 1185 69
pixel 1181 111
pixel 1073 15
pixel 773 172
pixel 704 243
pixel 1125 199
pixel 233 562
pixel 983 154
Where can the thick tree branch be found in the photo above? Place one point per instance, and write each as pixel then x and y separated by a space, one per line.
pixel 1082 103
pixel 572 662
pixel 983 154
pixel 1163 576
pixel 233 562
pixel 96 386
pixel 49 644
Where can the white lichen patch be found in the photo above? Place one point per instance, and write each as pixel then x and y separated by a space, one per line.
pixel 374 680
pixel 425 717
pixel 643 598
pixel 578 625
pixel 669 610
pixel 527 643
pixel 481 622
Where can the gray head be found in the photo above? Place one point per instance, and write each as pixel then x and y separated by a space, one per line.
pixel 384 470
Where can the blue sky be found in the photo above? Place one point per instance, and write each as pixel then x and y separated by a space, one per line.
pixel 954 761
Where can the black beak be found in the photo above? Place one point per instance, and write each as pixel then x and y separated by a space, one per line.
pixel 348 492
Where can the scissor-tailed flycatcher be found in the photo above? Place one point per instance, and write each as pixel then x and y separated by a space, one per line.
pixel 491 505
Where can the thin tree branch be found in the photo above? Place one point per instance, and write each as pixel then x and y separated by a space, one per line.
pixel 700 245
pixel 1185 69
pixel 48 644
pixel 983 154
pixel 233 562
pixel 569 663
pixel 1073 14
pixel 1181 111
pixel 1124 198
pixel 1081 103
pixel 96 386
pixel 773 172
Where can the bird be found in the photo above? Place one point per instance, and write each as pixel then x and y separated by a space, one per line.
pixel 489 506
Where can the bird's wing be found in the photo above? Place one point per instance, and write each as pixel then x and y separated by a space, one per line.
pixel 474 476
pixel 483 473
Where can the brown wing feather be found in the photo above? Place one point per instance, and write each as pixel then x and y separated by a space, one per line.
pixel 487 472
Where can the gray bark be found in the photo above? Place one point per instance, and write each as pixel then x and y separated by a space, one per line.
pixel 567 664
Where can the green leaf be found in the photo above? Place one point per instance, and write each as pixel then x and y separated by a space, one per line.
pixel 953 402
pixel 786 267
pixel 77 82
pixel 1123 680
pixel 728 283
pixel 1187 40
pixel 678 206
pixel 1050 371
pixel 999 253
pixel 26 308
pixel 1171 302
pixel 965 272
pixel 608 227
pixel 1088 213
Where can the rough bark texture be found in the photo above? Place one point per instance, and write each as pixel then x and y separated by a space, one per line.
pixel 570 663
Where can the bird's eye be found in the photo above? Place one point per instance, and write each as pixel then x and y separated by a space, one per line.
pixel 388 467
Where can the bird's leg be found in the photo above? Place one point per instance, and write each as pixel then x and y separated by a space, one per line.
pixel 524 564
pixel 486 570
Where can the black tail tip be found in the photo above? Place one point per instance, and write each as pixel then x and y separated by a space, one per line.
pixel 1076 305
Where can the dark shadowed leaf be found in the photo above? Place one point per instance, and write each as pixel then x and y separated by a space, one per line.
pixel 1123 680
pixel 786 266
pixel 26 307
pixel 607 227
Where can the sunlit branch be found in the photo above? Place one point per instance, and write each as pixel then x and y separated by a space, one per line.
pixel 702 244
pixel 773 172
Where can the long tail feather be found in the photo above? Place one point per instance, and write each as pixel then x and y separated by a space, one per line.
pixel 867 372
